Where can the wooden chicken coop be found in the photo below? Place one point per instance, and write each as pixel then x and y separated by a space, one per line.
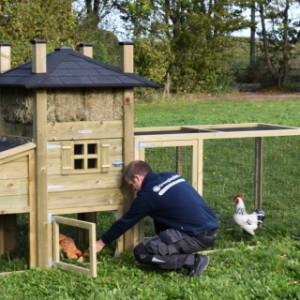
pixel 66 123
pixel 66 131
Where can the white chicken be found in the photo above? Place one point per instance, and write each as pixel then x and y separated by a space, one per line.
pixel 247 222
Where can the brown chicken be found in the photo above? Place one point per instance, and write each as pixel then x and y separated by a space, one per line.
pixel 67 246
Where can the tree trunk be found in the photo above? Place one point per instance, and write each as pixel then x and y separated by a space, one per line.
pixel 252 37
pixel 285 56
pixel 88 4
pixel 167 85
pixel 271 68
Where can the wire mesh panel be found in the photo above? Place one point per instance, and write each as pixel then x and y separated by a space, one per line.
pixel 228 170
pixel 281 185
pixel 171 159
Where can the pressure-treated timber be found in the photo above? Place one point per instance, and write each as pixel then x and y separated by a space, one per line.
pixel 132 235
pixel 258 171
pixel 17 195
pixel 127 65
pixel 91 228
pixel 85 130
pixel 40 137
pixel 5 57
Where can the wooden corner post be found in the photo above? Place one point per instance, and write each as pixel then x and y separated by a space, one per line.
pixel 126 59
pixel 40 138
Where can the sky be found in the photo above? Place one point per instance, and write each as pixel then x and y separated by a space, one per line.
pixel 294 15
pixel 115 24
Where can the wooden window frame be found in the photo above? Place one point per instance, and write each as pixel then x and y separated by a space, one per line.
pixel 85 157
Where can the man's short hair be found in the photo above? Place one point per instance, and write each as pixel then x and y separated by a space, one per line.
pixel 136 167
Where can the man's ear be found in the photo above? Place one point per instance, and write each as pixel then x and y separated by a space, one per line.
pixel 136 178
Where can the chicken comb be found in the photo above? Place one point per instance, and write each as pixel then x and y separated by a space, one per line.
pixel 238 196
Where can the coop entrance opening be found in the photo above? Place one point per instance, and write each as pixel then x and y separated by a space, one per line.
pixel 91 228
pixel 14 243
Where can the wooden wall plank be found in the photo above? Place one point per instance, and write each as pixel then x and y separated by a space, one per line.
pixel 85 130
pixel 14 169
pixel 81 182
pixel 87 198
pixel 9 187
pixel 16 203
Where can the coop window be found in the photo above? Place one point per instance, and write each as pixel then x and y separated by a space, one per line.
pixel 86 156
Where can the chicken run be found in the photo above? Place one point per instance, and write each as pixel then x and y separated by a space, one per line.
pixel 67 159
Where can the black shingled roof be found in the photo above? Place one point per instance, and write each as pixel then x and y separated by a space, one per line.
pixel 8 142
pixel 67 68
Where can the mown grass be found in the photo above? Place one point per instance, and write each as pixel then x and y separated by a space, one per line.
pixel 270 270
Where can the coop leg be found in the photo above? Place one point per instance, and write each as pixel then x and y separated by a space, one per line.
pixel 179 160
pixel 82 234
pixel 120 241
pixel 258 172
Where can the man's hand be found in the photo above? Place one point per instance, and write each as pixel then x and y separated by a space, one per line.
pixel 99 246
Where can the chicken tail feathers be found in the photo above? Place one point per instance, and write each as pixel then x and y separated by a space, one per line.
pixel 260 216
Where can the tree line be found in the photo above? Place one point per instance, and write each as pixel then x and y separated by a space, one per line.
pixel 185 45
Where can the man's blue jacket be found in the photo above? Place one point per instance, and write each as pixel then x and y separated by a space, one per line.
pixel 170 201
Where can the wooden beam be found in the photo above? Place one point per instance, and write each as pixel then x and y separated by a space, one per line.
pixel 15 152
pixel 179 160
pixel 40 137
pixel 32 210
pixel 224 250
pixel 258 172
pixel 91 217
pixel 132 235
pixel 199 163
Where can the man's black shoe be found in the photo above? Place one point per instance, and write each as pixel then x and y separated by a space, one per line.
pixel 200 265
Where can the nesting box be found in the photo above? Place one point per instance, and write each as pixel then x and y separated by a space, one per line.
pixel 78 114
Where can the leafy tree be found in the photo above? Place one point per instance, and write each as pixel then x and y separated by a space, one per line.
pixel 190 35
pixel 105 43
pixel 22 21
pixel 95 10
pixel 92 16
pixel 278 35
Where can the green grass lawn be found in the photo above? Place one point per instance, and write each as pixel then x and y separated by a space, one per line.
pixel 264 267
